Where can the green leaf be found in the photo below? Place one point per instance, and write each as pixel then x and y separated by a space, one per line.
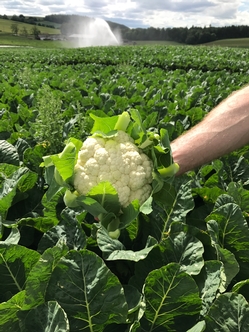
pixel 233 231
pixel 146 207
pixel 114 250
pixel 13 237
pixel 65 164
pixel 103 124
pixel 14 179
pixel 8 312
pixel 107 244
pixel 129 214
pixel 136 117
pixel 182 247
pixel 153 261
pixel 32 157
pixel 209 281
pixel 53 187
pixel 90 205
pixel 8 153
pixel 106 195
pixel 172 298
pixel 39 277
pixel 136 304
pixel 90 294
pixel 51 210
pixel 239 194
pixel 175 203
pixel 69 231
pixel 199 327
pixel 242 287
pixel 49 317
pixel 133 298
pixel 231 266
pixel 230 312
pixel 15 265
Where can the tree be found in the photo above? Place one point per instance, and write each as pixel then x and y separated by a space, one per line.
pixel 14 28
pixel 35 32
pixel 24 32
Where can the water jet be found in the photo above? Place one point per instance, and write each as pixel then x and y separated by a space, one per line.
pixel 96 32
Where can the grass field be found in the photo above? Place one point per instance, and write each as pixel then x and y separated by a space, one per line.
pixel 236 42
pixel 10 40
pixel 5 27
pixel 156 42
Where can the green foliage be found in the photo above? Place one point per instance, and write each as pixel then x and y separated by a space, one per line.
pixel 182 266
pixel 48 125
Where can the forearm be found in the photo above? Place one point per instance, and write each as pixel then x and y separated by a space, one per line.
pixel 224 129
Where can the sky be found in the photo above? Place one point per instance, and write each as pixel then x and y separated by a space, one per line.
pixel 140 13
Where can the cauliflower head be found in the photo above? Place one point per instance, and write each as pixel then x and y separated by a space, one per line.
pixel 116 160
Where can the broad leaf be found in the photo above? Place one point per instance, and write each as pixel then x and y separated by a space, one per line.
pixel 129 214
pixel 106 195
pixel 15 264
pixel 39 277
pixel 172 300
pixel 209 281
pixel 68 231
pixel 103 124
pixel 88 292
pixel 230 312
pixel 233 231
pixel 14 179
pixel 242 287
pixel 174 207
pixel 230 264
pixel 8 153
pixel 199 327
pixel 49 317
pixel 8 312
pixel 13 237
pixel 182 247
pixel 114 250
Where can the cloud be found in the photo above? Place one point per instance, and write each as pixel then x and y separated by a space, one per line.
pixel 175 6
pixel 139 13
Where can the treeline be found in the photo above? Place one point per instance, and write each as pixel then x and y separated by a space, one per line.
pixel 74 23
pixel 193 35
pixel 21 18
pixel 70 24
pixel 29 19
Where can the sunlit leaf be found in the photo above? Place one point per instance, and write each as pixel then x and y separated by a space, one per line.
pixel 172 299
pixel 15 265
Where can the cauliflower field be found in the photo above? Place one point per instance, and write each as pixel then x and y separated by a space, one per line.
pixel 173 256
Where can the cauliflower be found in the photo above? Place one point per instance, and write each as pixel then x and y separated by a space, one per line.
pixel 109 170
pixel 117 160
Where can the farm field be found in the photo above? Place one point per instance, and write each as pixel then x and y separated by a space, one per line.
pixel 236 42
pixel 180 261
pixel 5 27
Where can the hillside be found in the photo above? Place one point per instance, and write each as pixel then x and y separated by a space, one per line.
pixel 6 27
pixel 233 42
pixel 50 24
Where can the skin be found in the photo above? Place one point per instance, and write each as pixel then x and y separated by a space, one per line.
pixel 223 130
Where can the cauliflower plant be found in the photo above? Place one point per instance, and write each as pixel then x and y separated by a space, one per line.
pixel 116 160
